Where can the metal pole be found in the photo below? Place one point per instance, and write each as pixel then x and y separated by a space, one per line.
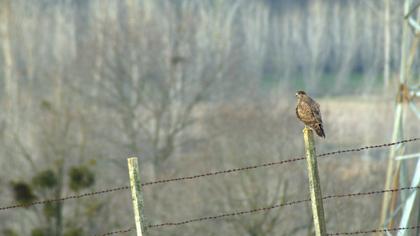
pixel 392 171
pixel 314 184
pixel 136 194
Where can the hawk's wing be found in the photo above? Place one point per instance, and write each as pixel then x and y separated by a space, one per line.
pixel 304 112
pixel 316 111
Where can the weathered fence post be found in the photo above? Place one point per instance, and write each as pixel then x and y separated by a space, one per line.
pixel 314 184
pixel 136 194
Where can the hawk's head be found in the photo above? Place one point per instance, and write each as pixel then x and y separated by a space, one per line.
pixel 300 93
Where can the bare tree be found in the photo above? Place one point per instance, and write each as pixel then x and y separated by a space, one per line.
pixel 10 81
pixel 155 90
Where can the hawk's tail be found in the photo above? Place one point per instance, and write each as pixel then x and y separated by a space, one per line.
pixel 319 130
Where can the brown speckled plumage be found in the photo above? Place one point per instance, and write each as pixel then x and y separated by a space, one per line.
pixel 307 110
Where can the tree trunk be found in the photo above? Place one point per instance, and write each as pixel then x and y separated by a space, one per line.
pixel 387 43
pixel 11 84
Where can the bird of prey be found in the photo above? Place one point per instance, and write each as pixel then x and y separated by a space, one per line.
pixel 307 110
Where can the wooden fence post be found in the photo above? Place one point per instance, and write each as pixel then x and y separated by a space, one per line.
pixel 314 184
pixel 136 194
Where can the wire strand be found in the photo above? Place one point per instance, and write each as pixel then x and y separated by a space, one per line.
pixel 228 171
pixel 283 205
pixel 368 147
pixel 116 232
pixel 65 198
pixel 276 206
pixel 227 214
pixel 223 171
pixel 377 231
pixel 332 234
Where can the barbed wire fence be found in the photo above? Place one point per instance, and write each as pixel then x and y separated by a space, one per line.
pixel 245 212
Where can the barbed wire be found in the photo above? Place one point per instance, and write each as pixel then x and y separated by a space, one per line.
pixel 228 171
pixel 276 206
pixel 223 171
pixel 368 147
pixel 64 198
pixel 269 208
pixel 116 232
pixel 331 234
pixel 242 212
pixel 227 214
pixel 370 193
pixel 377 231
pixel 205 174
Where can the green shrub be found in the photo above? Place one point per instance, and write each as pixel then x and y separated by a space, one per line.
pixel 81 177
pixel 45 179
pixel 74 232
pixel 38 232
pixel 9 232
pixel 23 193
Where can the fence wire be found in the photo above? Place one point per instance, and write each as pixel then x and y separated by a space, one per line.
pixel 65 198
pixel 276 163
pixel 369 147
pixel 276 206
pixel 332 234
pixel 116 232
pixel 228 171
pixel 227 214
pixel 377 231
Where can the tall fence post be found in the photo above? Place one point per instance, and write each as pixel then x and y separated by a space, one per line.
pixel 136 194
pixel 314 184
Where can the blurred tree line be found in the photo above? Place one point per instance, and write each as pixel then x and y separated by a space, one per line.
pixel 84 84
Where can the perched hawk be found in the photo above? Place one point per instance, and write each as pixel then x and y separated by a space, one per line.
pixel 307 110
